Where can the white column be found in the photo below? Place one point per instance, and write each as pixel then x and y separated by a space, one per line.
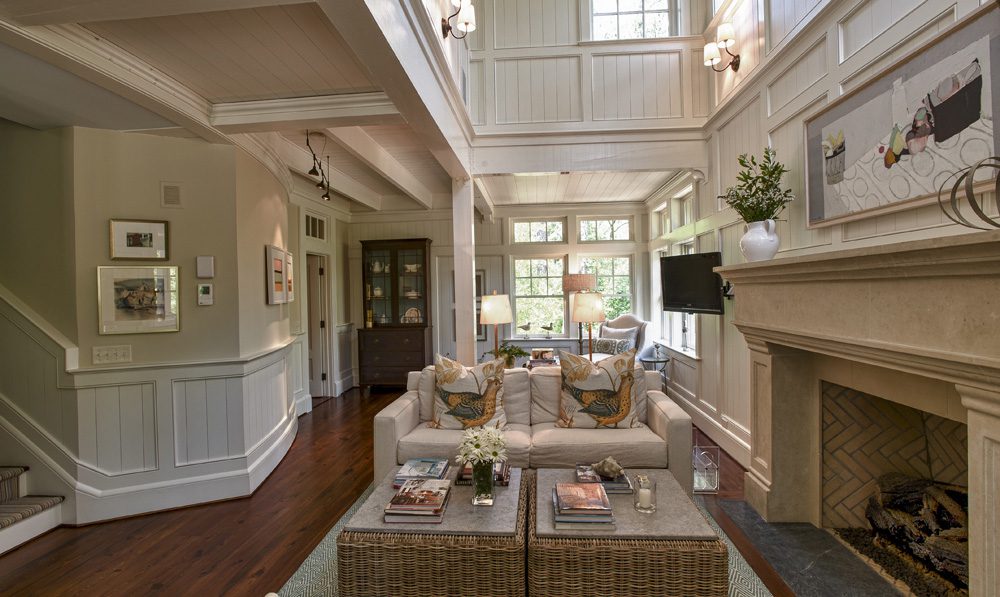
pixel 464 241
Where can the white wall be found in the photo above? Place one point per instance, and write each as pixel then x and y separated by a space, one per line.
pixel 815 50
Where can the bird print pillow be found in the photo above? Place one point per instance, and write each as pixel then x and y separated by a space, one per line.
pixel 468 396
pixel 601 395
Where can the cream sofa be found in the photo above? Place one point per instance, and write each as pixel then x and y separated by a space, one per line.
pixel 531 404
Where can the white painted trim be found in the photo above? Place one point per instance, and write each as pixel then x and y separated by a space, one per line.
pixel 360 144
pixel 29 528
pixel 303 404
pixel 241 360
pixel 71 352
pixel 305 112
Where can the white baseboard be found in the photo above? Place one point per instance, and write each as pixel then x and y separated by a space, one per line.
pixel 713 429
pixel 303 404
pixel 343 383
pixel 29 528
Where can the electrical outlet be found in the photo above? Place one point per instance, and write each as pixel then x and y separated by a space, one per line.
pixel 104 355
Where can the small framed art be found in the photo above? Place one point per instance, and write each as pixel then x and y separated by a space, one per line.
pixel 289 274
pixel 138 239
pixel 275 276
pixel 138 300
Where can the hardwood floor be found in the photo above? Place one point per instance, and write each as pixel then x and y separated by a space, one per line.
pixel 246 546
pixel 253 545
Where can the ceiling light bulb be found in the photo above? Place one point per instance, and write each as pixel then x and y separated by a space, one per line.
pixel 466 18
pixel 325 196
pixel 712 56
pixel 725 35
pixel 320 185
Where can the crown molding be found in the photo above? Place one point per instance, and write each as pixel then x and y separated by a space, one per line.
pixel 305 112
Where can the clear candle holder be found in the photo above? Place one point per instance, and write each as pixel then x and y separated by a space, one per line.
pixel 644 494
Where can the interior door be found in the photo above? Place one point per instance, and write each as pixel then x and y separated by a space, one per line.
pixel 319 331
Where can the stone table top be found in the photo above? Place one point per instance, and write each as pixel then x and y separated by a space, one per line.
pixel 676 516
pixel 460 516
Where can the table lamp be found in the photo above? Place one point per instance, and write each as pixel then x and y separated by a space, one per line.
pixel 572 284
pixel 495 310
pixel 588 308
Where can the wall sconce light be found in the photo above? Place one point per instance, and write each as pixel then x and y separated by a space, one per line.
pixel 466 22
pixel 725 37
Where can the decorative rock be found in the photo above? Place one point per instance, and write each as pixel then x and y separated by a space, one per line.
pixel 608 467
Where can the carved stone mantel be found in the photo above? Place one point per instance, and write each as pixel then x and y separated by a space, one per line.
pixel 920 320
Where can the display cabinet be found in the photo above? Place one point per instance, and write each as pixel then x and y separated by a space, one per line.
pixel 396 300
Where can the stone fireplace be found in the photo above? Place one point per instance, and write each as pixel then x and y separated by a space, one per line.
pixel 916 324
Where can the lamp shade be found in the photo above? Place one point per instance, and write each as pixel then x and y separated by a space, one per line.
pixel 725 35
pixel 456 3
pixel 495 310
pixel 588 307
pixel 578 282
pixel 712 56
pixel 466 18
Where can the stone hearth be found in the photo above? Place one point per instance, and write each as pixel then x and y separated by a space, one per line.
pixel 915 323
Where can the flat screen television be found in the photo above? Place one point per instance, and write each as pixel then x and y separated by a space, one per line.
pixel 689 284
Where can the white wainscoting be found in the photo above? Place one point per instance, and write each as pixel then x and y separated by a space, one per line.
pixel 344 365
pixel 128 440
pixel 637 85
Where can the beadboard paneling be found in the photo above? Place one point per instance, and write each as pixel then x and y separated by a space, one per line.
pixel 804 72
pixel 741 134
pixel 208 419
pixel 266 402
pixel 535 23
pixel 869 20
pixel 118 428
pixel 538 90
pixel 735 354
pixel 783 16
pixel 637 85
pixel 477 92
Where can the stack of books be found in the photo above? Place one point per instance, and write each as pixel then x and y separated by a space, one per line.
pixel 501 474
pixel 419 500
pixel 582 506
pixel 585 473
pixel 421 468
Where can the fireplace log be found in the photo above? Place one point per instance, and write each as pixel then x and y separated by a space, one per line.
pixel 925 519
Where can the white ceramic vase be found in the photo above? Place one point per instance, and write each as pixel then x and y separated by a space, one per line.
pixel 760 242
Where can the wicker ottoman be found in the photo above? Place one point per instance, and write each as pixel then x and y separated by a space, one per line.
pixel 670 552
pixel 475 551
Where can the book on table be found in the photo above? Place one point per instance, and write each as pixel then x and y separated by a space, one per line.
pixel 421 468
pixel 585 499
pixel 419 500
pixel 585 473
pixel 575 520
pixel 501 474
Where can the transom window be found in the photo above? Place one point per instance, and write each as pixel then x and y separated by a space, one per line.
pixel 541 231
pixel 614 281
pixel 630 19
pixel 538 296
pixel 605 230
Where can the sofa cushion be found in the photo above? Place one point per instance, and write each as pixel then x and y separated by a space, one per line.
pixel 468 396
pixel 424 442
pixel 630 334
pixel 545 382
pixel 517 396
pixel 557 447
pixel 603 394
pixel 425 393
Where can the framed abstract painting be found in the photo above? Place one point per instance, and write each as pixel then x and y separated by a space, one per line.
pixel 892 143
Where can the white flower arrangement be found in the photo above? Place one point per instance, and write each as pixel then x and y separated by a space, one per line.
pixel 480 445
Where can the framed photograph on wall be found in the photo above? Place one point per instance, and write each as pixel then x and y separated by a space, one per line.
pixel 138 239
pixel 289 274
pixel 893 142
pixel 138 300
pixel 275 276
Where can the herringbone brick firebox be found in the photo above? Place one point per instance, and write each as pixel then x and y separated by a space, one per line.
pixel 865 436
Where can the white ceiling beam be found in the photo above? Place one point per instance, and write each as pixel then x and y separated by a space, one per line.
pixel 360 144
pixel 349 109
pixel 299 160
pixel 643 156
pixel 54 12
pixel 398 43
pixel 484 201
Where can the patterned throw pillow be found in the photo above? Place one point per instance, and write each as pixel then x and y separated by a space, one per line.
pixel 467 396
pixel 630 334
pixel 598 395
pixel 611 346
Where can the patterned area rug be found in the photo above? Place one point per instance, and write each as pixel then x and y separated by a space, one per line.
pixel 318 574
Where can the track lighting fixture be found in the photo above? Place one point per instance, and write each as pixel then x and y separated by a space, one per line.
pixel 317 167
pixel 466 22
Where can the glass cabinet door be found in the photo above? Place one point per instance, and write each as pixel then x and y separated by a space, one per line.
pixel 379 299
pixel 412 284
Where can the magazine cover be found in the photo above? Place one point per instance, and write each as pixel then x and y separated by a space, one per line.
pixel 582 496
pixel 421 494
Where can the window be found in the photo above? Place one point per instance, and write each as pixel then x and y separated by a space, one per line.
pixel 547 231
pixel 682 207
pixel 630 19
pixel 316 227
pixel 682 328
pixel 604 230
pixel 538 296
pixel 614 281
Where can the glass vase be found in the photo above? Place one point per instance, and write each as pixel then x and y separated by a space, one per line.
pixel 482 484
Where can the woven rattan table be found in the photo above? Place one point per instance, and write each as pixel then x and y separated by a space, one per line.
pixel 476 551
pixel 670 552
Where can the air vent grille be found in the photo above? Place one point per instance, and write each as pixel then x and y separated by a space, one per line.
pixel 170 195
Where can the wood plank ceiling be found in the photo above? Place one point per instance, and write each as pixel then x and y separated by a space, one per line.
pixel 574 187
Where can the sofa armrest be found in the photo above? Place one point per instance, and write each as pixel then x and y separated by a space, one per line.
pixel 392 423
pixel 669 421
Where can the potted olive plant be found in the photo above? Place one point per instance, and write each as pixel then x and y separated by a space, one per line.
pixel 759 198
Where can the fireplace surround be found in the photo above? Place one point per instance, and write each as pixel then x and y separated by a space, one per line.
pixel 915 323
